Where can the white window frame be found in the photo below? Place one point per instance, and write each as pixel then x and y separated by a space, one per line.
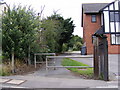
pixel 115 39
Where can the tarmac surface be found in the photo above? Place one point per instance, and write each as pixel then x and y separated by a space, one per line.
pixel 63 78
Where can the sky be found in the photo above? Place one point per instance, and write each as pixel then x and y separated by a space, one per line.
pixel 67 9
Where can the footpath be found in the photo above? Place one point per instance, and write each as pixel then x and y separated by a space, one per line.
pixel 61 77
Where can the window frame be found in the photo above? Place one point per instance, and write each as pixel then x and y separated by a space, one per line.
pixel 114 15
pixel 93 18
pixel 115 39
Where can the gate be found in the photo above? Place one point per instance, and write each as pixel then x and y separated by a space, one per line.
pixel 56 66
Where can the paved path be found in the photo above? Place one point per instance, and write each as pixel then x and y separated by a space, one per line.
pixel 61 78
pixel 57 73
pixel 47 82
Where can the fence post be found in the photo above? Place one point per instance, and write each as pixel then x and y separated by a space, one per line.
pixel 35 60
pixel 106 73
pixel 96 57
pixel 46 64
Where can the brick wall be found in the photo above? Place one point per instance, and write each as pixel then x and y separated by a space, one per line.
pixel 112 49
pixel 90 28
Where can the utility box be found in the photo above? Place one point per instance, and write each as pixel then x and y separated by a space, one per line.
pixel 83 50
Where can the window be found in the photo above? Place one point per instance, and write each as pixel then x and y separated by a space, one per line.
pixel 93 18
pixel 114 17
pixel 115 39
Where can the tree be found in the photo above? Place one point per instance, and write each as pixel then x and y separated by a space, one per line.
pixel 57 31
pixel 48 35
pixel 19 27
pixel 67 30
pixel 75 42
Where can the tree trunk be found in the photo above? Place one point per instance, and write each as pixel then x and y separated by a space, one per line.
pixel 13 62
pixel 29 61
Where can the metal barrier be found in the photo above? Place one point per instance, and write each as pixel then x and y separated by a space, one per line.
pixel 66 66
pixel 35 61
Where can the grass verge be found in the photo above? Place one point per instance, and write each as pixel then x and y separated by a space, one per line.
pixel 85 72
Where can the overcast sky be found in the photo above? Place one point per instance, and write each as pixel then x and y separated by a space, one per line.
pixel 67 8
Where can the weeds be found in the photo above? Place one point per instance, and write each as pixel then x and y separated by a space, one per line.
pixel 5 70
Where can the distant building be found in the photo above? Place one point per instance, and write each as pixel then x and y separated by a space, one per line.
pixel 102 18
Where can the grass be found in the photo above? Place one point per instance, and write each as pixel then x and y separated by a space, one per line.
pixel 5 67
pixel 88 72
pixel 4 71
pixel 20 68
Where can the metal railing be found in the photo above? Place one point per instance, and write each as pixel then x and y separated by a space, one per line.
pixel 35 55
pixel 48 57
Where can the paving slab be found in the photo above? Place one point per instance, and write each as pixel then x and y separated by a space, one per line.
pixel 3 80
pixel 17 82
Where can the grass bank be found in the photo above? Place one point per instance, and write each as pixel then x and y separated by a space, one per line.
pixel 85 72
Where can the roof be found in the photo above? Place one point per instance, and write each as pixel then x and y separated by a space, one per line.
pixel 110 4
pixel 99 31
pixel 93 7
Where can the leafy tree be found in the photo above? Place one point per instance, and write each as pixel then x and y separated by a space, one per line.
pixel 67 30
pixel 57 31
pixel 48 36
pixel 75 42
pixel 0 34
pixel 19 26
